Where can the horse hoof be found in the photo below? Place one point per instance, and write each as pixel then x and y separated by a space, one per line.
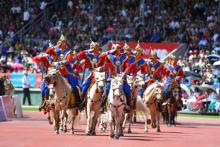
pixel 122 135
pixel 64 131
pixel 87 133
pixel 158 130
pixel 57 132
pixel 116 137
pixel 111 136
pixel 148 121
pixel 72 132
pixel 93 134
pixel 153 126
pixel 145 131
pixel 129 132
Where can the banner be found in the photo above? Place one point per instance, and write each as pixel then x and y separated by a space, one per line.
pixel 7 104
pixel 162 49
pixel 2 111
pixel 16 79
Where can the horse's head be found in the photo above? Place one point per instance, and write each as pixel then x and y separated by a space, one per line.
pixel 139 81
pixel 51 77
pixel 176 92
pixel 100 80
pixel 159 93
pixel 153 94
pixel 117 86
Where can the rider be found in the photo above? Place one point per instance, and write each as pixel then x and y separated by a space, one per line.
pixel 115 63
pixel 92 61
pixel 44 62
pixel 64 57
pixel 157 68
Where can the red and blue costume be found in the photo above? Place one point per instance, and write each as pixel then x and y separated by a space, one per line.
pixel 93 59
pixel 115 64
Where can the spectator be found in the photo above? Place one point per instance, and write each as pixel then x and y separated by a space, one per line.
pixel 26 16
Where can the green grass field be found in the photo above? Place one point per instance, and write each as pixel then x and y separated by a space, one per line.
pixel 29 108
pixel 35 109
pixel 199 115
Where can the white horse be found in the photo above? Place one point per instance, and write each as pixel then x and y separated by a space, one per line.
pixel 94 97
pixel 117 101
pixel 152 96
pixel 64 101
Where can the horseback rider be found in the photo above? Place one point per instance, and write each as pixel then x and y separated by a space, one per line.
pixel 115 63
pixel 43 61
pixel 178 75
pixel 92 60
pixel 138 65
pixel 64 58
pixel 158 69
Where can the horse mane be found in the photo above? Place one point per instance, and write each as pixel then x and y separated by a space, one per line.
pixel 64 82
pixel 62 86
pixel 150 91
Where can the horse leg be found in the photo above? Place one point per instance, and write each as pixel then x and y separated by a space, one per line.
pixel 57 120
pixel 64 120
pixel 130 116
pixel 95 121
pixel 73 112
pixel 118 121
pixel 88 118
pixel 50 117
pixel 169 115
pixel 117 125
pixel 158 121
pixel 125 120
pixel 146 123
pixel 111 131
pixel 61 120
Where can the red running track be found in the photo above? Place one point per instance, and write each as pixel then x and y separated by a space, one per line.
pixel 34 131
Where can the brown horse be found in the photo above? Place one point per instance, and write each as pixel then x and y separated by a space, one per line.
pixel 172 105
pixel 152 97
pixel 136 83
pixel 64 101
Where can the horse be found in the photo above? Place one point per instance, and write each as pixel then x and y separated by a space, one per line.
pixel 152 97
pixel 94 97
pixel 137 84
pixel 64 100
pixel 117 101
pixel 172 105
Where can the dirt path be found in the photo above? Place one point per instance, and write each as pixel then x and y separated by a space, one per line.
pixel 34 131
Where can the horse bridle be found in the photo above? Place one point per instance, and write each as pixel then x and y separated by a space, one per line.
pixel 121 100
